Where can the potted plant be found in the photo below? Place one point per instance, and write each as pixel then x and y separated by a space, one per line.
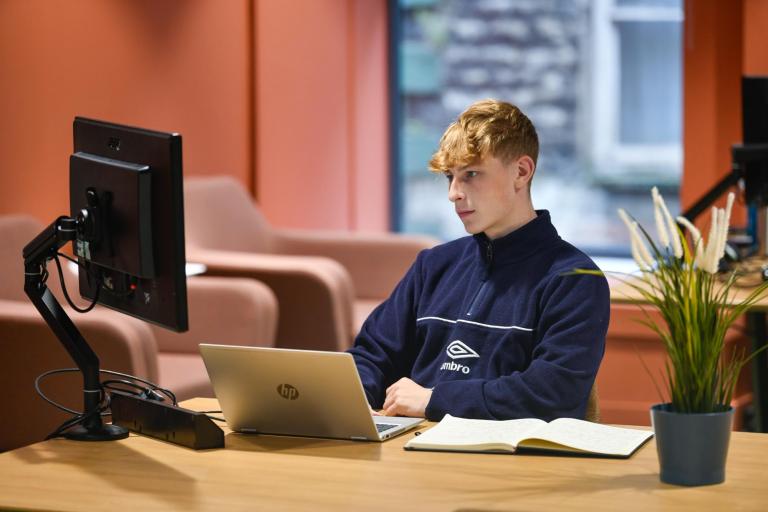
pixel 692 427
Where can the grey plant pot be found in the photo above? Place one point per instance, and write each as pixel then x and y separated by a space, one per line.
pixel 692 448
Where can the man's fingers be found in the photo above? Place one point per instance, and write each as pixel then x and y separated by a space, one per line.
pixel 390 411
pixel 390 405
pixel 391 396
pixel 389 401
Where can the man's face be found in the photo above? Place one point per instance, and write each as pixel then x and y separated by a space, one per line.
pixel 487 196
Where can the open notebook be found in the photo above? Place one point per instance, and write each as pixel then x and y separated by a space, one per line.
pixel 566 435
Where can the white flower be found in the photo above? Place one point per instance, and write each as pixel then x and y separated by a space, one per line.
pixel 698 243
pixel 713 244
pixel 726 224
pixel 706 255
pixel 658 215
pixel 640 252
pixel 677 246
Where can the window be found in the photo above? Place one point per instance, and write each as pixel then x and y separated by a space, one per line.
pixel 600 79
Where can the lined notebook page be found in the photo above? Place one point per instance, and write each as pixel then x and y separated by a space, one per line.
pixel 453 431
pixel 591 437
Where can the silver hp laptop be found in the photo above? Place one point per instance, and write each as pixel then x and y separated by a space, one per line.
pixel 295 392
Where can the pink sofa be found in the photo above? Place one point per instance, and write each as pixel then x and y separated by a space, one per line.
pixel 326 282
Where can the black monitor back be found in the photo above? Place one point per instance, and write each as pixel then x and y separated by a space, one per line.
pixel 134 177
pixel 754 94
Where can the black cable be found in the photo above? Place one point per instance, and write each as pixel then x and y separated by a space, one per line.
pixel 42 395
pixel 109 384
pixel 104 400
pixel 152 386
pixel 66 295
pixel 73 260
pixel 145 392
pixel 81 418
pixel 71 422
pixel 85 266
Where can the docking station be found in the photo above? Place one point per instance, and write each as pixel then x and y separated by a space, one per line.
pixel 165 422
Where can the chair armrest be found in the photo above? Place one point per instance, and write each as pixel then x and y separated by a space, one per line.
pixel 314 294
pixel 375 261
pixel 29 348
pixel 121 343
pixel 228 311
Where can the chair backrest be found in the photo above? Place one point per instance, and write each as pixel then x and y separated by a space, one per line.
pixel 220 214
pixel 16 231
pixel 593 405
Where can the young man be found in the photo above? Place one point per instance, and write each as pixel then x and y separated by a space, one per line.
pixel 490 325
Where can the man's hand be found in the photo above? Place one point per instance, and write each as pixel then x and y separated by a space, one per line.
pixel 406 398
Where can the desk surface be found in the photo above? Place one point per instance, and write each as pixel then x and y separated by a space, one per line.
pixel 283 473
pixel 623 293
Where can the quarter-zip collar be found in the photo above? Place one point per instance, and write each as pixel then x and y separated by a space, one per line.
pixel 519 244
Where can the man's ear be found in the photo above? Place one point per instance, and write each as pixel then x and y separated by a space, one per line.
pixel 524 172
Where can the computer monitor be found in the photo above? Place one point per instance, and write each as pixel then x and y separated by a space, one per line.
pixel 127 227
pixel 754 98
pixel 128 182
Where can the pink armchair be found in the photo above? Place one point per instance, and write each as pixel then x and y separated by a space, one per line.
pixel 230 311
pixel 326 282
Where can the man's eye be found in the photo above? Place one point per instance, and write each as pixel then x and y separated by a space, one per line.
pixel 449 177
pixel 471 174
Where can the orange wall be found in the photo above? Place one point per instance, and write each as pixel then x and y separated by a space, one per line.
pixel 321 113
pixel 712 50
pixel 369 124
pixel 174 65
pixel 755 42
pixel 288 97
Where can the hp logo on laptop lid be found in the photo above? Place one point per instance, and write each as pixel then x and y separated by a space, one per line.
pixel 288 392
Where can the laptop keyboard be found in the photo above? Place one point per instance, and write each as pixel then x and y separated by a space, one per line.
pixel 381 427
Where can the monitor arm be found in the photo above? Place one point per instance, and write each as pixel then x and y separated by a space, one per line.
pixel 741 155
pixel 730 179
pixel 39 251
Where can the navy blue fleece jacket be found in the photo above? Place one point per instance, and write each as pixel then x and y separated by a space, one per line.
pixel 493 326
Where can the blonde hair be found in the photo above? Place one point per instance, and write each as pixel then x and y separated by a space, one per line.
pixel 487 127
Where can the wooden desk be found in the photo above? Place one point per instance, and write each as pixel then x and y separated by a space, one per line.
pixel 622 293
pixel 282 473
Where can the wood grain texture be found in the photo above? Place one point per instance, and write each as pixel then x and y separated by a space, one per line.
pixel 283 473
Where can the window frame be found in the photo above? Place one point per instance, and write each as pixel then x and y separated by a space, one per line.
pixel 611 158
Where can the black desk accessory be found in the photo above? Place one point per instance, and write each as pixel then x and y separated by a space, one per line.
pixel 165 422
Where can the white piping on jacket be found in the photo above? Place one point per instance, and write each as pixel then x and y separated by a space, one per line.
pixel 506 327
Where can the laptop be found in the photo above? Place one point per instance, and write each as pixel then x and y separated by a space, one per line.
pixel 295 392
